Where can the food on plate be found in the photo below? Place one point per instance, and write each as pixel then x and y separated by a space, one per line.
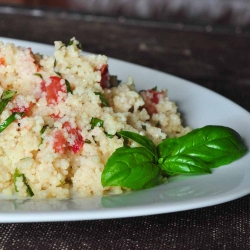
pixel 69 127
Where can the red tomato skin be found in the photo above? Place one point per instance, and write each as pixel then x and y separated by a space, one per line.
pixel 52 89
pixel 23 109
pixel 59 144
pixel 78 142
pixel 104 76
pixel 151 98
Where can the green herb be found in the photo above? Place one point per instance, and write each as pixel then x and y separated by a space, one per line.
pixel 131 168
pixel 109 135
pixel 68 87
pixel 95 122
pixel 78 45
pixel 9 120
pixel 87 141
pixel 58 73
pixel 42 131
pixel 39 75
pixel 55 63
pixel 142 140
pixel 212 145
pixel 102 98
pixel 71 42
pixel 18 174
pixel 5 98
pixel 196 152
pixel 155 88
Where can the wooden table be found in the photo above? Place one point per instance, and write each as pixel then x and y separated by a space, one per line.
pixel 215 57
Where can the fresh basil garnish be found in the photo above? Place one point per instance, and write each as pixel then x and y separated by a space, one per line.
pixel 142 140
pixel 95 122
pixel 213 145
pixel 196 152
pixel 131 168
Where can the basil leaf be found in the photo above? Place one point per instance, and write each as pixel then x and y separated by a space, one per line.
pixel 42 131
pixel 102 98
pixel 87 141
pixel 181 164
pixel 29 190
pixel 68 87
pixel 55 63
pixel 39 75
pixel 5 98
pixel 131 168
pixel 18 174
pixel 213 145
pixel 9 120
pixel 95 122
pixel 58 73
pixel 142 140
pixel 78 45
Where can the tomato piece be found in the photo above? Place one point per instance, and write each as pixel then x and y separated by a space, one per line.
pixel 53 89
pixel 59 144
pixel 76 135
pixel 151 98
pixel 2 61
pixel 104 76
pixel 26 110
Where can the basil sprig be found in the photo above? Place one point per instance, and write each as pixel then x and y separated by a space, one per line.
pixel 18 174
pixel 9 120
pixel 5 98
pixel 196 152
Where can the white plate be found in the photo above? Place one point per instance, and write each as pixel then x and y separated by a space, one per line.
pixel 199 107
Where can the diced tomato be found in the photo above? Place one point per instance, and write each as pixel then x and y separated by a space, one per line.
pixel 53 89
pixel 104 76
pixel 151 98
pixel 74 133
pixel 26 110
pixel 59 142
pixel 2 61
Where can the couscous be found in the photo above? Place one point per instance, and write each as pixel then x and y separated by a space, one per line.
pixel 63 113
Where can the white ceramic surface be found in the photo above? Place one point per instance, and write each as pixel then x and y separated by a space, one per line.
pixel 199 107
